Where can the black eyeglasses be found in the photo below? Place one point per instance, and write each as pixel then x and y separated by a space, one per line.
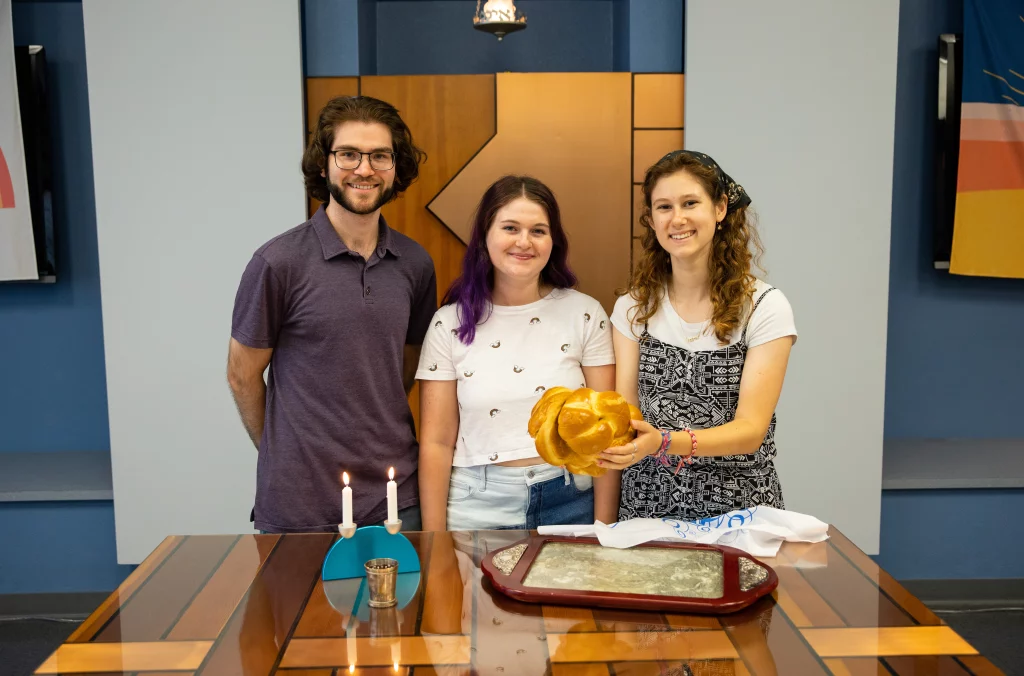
pixel 380 160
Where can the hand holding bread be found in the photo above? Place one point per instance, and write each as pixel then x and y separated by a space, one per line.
pixel 571 428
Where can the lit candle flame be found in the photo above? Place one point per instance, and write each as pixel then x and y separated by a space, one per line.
pixel 344 477
pixel 391 474
pixel 351 668
pixel 396 667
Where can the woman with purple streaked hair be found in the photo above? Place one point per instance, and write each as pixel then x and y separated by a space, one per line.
pixel 511 326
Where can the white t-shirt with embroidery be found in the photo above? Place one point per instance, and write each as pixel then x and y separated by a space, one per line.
pixel 773 318
pixel 519 351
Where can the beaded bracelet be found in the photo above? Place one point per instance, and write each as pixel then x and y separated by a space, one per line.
pixel 693 450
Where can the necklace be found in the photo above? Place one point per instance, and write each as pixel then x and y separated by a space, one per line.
pixel 684 325
pixel 699 335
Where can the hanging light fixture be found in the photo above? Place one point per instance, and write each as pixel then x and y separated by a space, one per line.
pixel 498 17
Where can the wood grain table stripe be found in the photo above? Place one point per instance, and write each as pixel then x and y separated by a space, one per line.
pixel 93 658
pixel 435 670
pixel 749 629
pixel 259 629
pixel 886 641
pixel 678 668
pixel 853 597
pixel 210 611
pixel 692 622
pixel 910 603
pixel 568 619
pixel 322 620
pixel 406 650
pixel 926 664
pixel 790 651
pixel 640 646
pixel 592 669
pixel 138 577
pixel 612 619
pixel 157 605
pixel 856 666
pixel 800 601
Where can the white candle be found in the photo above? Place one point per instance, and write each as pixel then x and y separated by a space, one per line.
pixel 392 496
pixel 346 502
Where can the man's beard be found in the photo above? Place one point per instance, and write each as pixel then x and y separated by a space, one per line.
pixel 341 198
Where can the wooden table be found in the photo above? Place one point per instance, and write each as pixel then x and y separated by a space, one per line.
pixel 255 605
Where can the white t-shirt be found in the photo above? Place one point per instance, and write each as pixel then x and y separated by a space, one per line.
pixel 519 351
pixel 773 318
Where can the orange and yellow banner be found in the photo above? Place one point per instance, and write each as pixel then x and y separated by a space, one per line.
pixel 988 228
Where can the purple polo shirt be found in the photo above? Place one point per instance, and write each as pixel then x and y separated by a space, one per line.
pixel 335 398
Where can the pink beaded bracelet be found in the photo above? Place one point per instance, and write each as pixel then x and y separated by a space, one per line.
pixel 693 450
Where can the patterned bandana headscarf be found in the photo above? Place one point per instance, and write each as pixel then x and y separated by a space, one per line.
pixel 738 197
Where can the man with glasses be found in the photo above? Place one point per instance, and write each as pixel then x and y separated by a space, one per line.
pixel 337 308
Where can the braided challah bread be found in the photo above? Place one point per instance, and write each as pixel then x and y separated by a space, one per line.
pixel 571 428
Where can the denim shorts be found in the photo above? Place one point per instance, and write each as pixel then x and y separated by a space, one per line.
pixel 489 497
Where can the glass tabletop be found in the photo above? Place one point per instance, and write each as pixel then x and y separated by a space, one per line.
pixel 255 605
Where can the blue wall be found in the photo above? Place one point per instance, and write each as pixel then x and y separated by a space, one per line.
pixel 330 37
pixel 420 37
pixel 656 36
pixel 416 37
pixel 620 35
pixel 58 547
pixel 53 391
pixel 368 27
pixel 951 535
pixel 952 367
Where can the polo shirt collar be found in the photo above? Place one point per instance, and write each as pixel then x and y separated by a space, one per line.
pixel 333 246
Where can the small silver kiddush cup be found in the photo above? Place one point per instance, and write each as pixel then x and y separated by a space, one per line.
pixel 381 575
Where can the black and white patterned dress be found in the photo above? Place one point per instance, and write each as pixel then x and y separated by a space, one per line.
pixel 680 388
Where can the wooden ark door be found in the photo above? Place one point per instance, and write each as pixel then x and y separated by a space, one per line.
pixel 451 117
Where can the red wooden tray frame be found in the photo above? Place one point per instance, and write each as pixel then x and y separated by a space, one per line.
pixel 732 599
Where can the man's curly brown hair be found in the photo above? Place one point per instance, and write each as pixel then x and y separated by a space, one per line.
pixel 359 109
pixel 734 248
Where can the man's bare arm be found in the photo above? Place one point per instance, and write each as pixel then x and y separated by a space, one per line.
pixel 245 377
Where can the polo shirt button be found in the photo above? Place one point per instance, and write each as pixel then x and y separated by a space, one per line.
pixel 492 457
pixel 367 291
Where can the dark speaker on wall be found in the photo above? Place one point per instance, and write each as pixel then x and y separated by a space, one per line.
pixel 947 145
pixel 30 65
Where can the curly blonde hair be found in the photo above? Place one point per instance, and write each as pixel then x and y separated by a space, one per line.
pixel 734 249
